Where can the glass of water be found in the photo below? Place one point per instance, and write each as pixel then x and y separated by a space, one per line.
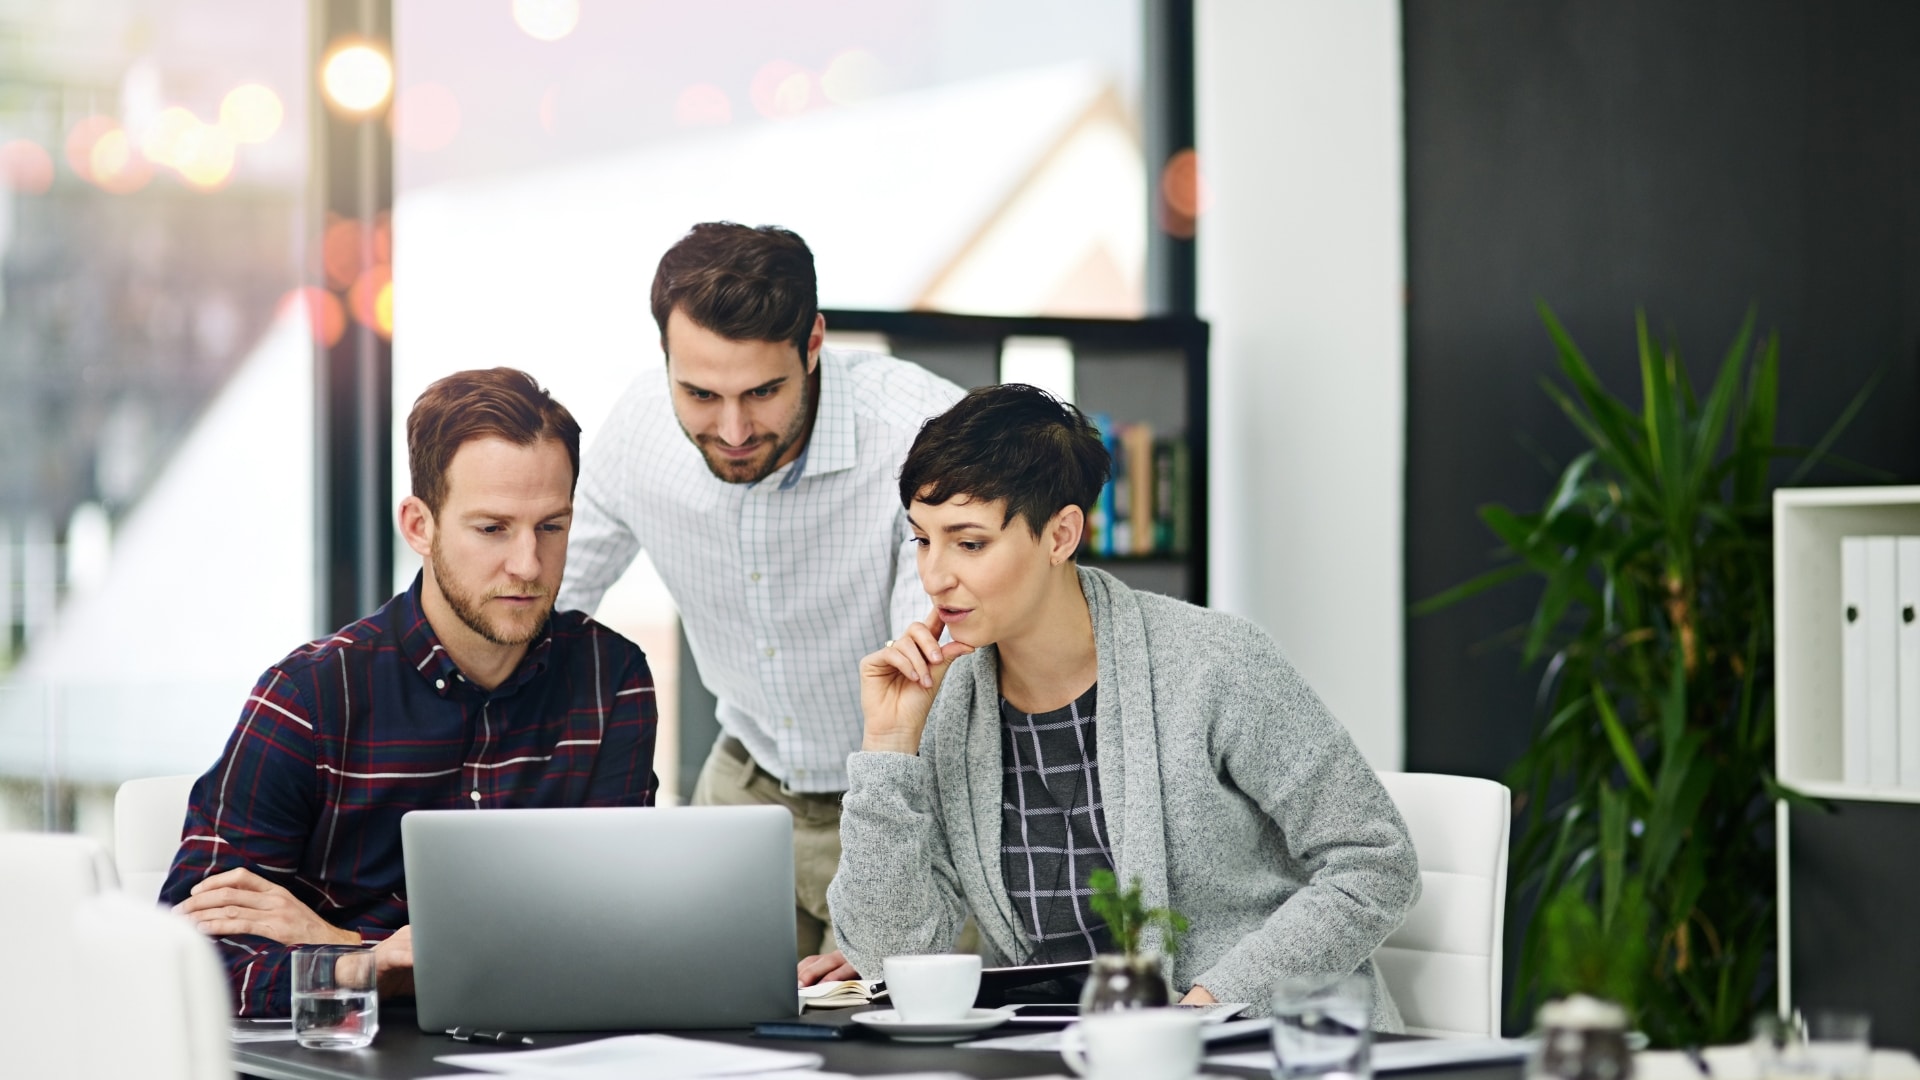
pixel 1322 1029
pixel 335 1003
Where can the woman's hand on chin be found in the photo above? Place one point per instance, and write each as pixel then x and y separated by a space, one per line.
pixel 899 682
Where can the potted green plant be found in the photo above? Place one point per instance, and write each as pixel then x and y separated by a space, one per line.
pixel 1130 978
pixel 1644 803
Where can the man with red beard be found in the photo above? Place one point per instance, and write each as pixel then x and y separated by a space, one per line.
pixel 465 691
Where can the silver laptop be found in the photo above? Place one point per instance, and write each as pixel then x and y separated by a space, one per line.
pixel 601 919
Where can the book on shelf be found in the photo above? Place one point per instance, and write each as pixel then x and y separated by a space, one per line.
pixel 1145 509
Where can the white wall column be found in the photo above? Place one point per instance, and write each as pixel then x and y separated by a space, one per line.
pixel 1302 274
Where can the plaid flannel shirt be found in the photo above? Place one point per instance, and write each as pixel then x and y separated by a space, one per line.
pixel 348 733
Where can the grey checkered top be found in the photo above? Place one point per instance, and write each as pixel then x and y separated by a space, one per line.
pixel 1053 828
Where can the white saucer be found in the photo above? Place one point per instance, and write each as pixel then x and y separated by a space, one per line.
pixel 888 1021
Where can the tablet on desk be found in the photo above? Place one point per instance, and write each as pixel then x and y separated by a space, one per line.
pixel 1061 1015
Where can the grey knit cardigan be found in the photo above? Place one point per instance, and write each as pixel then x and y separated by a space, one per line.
pixel 1230 791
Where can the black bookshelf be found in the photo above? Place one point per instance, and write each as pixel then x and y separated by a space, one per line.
pixel 1152 369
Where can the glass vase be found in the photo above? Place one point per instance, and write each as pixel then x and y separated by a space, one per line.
pixel 1119 981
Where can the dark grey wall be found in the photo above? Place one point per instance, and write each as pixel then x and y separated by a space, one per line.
pixel 1690 157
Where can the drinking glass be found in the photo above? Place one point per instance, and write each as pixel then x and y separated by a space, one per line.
pixel 1322 1029
pixel 1839 1043
pixel 336 1005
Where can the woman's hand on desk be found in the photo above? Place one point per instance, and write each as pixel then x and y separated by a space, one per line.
pixel 393 962
pixel 827 967
pixel 898 684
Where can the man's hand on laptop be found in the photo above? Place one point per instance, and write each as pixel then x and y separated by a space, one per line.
pixel 827 967
pixel 393 963
pixel 240 901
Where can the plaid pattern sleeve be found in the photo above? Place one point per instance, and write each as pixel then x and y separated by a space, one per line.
pixel 347 734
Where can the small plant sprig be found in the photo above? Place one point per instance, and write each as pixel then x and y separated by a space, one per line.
pixel 1127 916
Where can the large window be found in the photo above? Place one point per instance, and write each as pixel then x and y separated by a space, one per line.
pixel 962 155
pixel 155 400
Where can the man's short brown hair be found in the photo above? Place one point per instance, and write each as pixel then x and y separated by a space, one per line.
pixel 743 283
pixel 498 403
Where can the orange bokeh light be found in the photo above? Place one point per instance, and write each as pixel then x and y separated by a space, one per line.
pixel 340 252
pixel 383 311
pixel 425 117
pixel 781 88
pixel 205 157
pixel 325 318
pixel 25 167
pixel 703 105
pixel 162 138
pixel 363 300
pixel 115 165
pixel 357 77
pixel 80 143
pixel 1183 194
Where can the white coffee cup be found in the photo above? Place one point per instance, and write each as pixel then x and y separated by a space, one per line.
pixel 933 989
pixel 1134 1044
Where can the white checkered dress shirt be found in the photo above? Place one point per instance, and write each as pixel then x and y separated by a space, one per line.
pixel 782 585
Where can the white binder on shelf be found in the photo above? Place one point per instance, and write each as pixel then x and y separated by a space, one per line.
pixel 1908 734
pixel 1853 659
pixel 1882 616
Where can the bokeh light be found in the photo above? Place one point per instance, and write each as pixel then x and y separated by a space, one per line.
pixel 1183 194
pixel 340 251
pixel 160 142
pixel 853 76
pixel 80 143
pixel 703 105
pixel 550 110
pixel 425 117
pixel 363 300
pixel 325 318
pixel 383 311
pixel 251 113
pixel 357 77
pixel 780 89
pixel 116 165
pixel 204 156
pixel 546 20
pixel 25 167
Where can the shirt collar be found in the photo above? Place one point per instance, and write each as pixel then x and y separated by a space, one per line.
pixel 830 448
pixel 426 655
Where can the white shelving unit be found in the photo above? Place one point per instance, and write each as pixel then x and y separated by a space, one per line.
pixel 1807 526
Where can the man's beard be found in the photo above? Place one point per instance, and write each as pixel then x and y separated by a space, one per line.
pixel 754 470
pixel 466 606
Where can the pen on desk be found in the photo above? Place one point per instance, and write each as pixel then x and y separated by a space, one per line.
pixel 498 1038
pixel 1699 1061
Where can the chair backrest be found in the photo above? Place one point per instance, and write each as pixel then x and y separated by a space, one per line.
pixel 155 995
pixel 147 816
pixel 47 877
pixel 1443 964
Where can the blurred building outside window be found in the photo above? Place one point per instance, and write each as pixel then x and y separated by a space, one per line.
pixel 155 399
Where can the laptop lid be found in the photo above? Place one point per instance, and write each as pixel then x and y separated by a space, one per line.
pixel 601 919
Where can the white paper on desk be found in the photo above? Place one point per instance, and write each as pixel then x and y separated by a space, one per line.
pixel 1049 1041
pixel 662 1056
pixel 1739 1063
pixel 1412 1054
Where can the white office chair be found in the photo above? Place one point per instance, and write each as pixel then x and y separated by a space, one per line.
pixel 1443 964
pixel 147 815
pixel 155 998
pixel 47 877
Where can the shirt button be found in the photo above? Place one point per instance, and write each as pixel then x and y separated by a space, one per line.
pixel 755 576
pixel 439 684
pixel 799 773
pixel 475 796
pixel 786 721
pixel 459 676
pixel 769 652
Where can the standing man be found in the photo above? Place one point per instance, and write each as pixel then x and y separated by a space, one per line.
pixel 758 470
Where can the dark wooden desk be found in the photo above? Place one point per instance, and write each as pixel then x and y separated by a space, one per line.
pixel 403 1052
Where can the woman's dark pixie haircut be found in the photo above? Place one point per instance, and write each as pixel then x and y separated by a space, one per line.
pixel 742 283
pixel 1014 442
